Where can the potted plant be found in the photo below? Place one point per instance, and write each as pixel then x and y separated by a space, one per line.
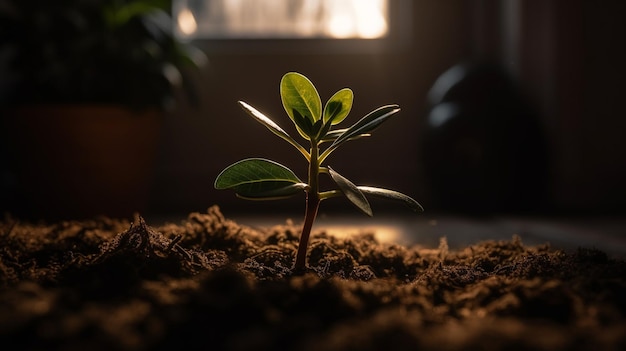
pixel 87 84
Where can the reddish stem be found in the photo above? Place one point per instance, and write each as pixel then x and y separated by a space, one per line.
pixel 312 205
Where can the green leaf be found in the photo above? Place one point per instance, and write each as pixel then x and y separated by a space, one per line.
pixel 334 134
pixel 317 127
pixel 272 126
pixel 368 123
pixel 259 178
pixel 365 125
pixel 299 94
pixel 392 195
pixel 252 170
pixel 351 191
pixel 303 125
pixel 338 106
pixel 335 111
pixel 268 190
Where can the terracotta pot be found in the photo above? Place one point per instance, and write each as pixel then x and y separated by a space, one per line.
pixel 82 161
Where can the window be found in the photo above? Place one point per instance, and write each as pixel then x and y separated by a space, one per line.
pixel 281 19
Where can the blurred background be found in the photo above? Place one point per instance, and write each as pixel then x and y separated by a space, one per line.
pixel 509 107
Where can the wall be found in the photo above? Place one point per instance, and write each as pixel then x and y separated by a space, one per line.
pixel 567 57
pixel 572 56
pixel 199 143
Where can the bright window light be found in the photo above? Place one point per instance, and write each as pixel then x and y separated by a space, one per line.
pixel 259 19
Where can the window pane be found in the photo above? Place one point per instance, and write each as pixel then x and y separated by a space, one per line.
pixel 217 19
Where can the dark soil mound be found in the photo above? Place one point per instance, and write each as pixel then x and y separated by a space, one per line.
pixel 209 283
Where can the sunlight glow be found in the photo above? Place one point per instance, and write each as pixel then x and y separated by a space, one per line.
pixel 371 22
pixel 341 22
pixel 366 19
pixel 187 22
pixel 384 234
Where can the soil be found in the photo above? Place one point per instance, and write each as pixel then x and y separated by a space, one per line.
pixel 210 283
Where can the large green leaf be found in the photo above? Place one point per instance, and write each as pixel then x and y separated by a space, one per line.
pixel 338 106
pixel 392 195
pixel 351 191
pixel 259 178
pixel 272 126
pixel 268 190
pixel 365 125
pixel 299 94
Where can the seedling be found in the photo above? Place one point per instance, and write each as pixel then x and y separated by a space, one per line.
pixel 262 179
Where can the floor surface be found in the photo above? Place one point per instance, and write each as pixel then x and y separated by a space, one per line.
pixel 606 234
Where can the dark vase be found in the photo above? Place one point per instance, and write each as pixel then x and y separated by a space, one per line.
pixel 484 148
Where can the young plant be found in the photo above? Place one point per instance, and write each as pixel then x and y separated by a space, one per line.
pixel 262 179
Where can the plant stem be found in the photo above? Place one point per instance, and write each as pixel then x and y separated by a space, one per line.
pixel 312 205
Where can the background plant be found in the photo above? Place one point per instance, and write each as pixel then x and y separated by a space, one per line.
pixel 262 179
pixel 93 51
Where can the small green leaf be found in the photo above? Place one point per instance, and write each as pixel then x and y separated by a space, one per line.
pixel 335 111
pixel 323 131
pixel 392 195
pixel 368 123
pixel 299 94
pixel 334 134
pixel 303 125
pixel 317 129
pixel 338 106
pixel 266 121
pixel 365 125
pixel 351 191
pixel 259 178
pixel 272 126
